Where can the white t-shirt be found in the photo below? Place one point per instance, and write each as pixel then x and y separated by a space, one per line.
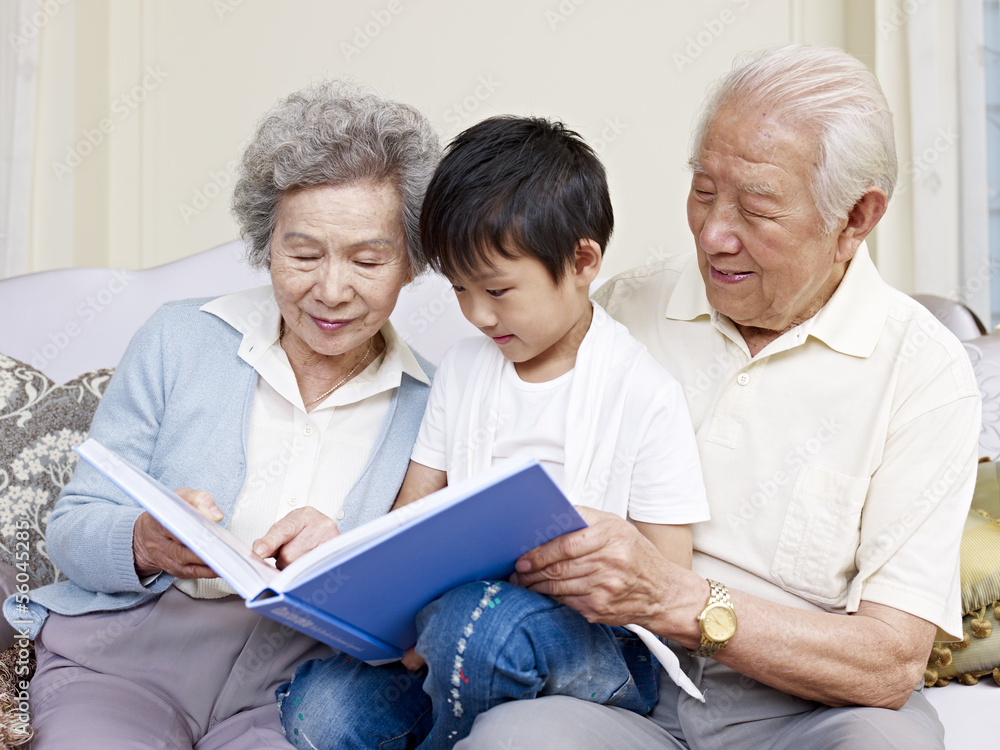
pixel 655 466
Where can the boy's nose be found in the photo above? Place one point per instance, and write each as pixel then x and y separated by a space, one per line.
pixel 481 315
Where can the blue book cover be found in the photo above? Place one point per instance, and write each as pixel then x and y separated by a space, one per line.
pixel 360 592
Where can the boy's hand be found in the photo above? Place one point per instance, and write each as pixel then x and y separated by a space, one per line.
pixel 412 660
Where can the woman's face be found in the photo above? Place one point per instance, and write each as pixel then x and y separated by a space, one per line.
pixel 338 261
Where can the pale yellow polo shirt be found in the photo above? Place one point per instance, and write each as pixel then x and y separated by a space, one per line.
pixel 840 461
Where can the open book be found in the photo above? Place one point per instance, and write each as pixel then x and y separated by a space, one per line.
pixel 360 592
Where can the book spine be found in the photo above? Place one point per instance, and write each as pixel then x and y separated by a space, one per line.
pixel 324 627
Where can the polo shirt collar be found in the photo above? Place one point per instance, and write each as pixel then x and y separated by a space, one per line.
pixel 689 300
pixel 850 322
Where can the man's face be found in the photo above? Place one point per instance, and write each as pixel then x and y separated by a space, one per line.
pixel 761 249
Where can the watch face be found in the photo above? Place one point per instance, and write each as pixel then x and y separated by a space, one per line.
pixel 718 623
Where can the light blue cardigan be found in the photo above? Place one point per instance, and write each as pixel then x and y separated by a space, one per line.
pixel 178 407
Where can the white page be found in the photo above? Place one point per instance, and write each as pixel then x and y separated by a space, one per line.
pixel 218 547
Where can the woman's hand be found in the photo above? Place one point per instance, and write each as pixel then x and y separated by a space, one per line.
pixel 157 550
pixel 292 536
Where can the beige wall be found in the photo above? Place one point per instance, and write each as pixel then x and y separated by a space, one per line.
pixel 143 104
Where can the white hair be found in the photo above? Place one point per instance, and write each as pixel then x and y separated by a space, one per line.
pixel 334 133
pixel 834 95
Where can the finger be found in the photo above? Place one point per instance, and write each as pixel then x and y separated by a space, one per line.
pixel 297 533
pixel 574 544
pixel 201 501
pixel 279 534
pixel 412 660
pixel 316 529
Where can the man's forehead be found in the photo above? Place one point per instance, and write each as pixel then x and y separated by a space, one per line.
pixel 757 178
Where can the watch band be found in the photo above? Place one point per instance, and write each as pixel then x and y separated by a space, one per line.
pixel 718 597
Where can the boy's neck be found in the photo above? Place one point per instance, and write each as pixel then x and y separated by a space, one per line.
pixel 561 358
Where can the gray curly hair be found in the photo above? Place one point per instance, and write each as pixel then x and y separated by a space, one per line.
pixel 334 133
pixel 831 93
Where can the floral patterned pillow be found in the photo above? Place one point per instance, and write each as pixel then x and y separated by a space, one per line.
pixel 40 422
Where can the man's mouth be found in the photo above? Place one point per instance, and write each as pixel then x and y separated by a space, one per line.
pixel 731 275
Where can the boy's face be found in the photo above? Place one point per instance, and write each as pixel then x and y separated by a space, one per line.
pixel 537 323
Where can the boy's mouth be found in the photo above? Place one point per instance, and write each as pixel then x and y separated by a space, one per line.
pixel 501 340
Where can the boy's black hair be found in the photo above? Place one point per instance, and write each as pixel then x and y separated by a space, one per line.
pixel 516 186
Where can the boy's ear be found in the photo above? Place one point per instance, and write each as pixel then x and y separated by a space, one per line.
pixel 587 261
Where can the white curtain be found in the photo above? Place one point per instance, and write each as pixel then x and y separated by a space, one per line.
pixel 947 164
pixel 21 22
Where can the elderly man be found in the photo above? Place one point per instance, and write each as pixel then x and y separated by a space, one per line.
pixel 837 424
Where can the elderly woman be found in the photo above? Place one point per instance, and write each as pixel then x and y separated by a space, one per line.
pixel 290 409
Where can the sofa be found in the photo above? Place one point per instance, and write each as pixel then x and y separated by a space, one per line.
pixel 65 330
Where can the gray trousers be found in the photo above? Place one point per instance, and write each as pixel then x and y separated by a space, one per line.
pixel 174 673
pixel 738 713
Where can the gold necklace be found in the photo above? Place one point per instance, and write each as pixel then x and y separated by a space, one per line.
pixel 348 376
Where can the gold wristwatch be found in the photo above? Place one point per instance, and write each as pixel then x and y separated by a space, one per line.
pixel 717 621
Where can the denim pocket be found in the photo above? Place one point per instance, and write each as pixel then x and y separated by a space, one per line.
pixel 815 554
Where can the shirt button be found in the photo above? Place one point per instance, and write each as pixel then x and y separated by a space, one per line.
pixel 340 515
pixel 742 378
pixel 293 501
pixel 307 430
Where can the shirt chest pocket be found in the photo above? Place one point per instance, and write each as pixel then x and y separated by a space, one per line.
pixel 815 555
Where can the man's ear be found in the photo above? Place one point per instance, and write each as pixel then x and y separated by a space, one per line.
pixel 587 261
pixel 860 222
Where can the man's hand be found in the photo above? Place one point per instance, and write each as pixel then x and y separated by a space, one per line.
pixel 608 572
pixel 155 549
pixel 297 533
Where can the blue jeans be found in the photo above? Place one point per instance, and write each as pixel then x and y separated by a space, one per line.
pixel 484 644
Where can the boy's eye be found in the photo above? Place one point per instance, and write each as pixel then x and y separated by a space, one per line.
pixel 495 292
pixel 458 288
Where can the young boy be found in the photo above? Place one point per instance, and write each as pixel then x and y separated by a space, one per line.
pixel 517 217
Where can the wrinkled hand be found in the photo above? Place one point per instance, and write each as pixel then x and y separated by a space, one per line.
pixel 608 571
pixel 292 536
pixel 155 549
